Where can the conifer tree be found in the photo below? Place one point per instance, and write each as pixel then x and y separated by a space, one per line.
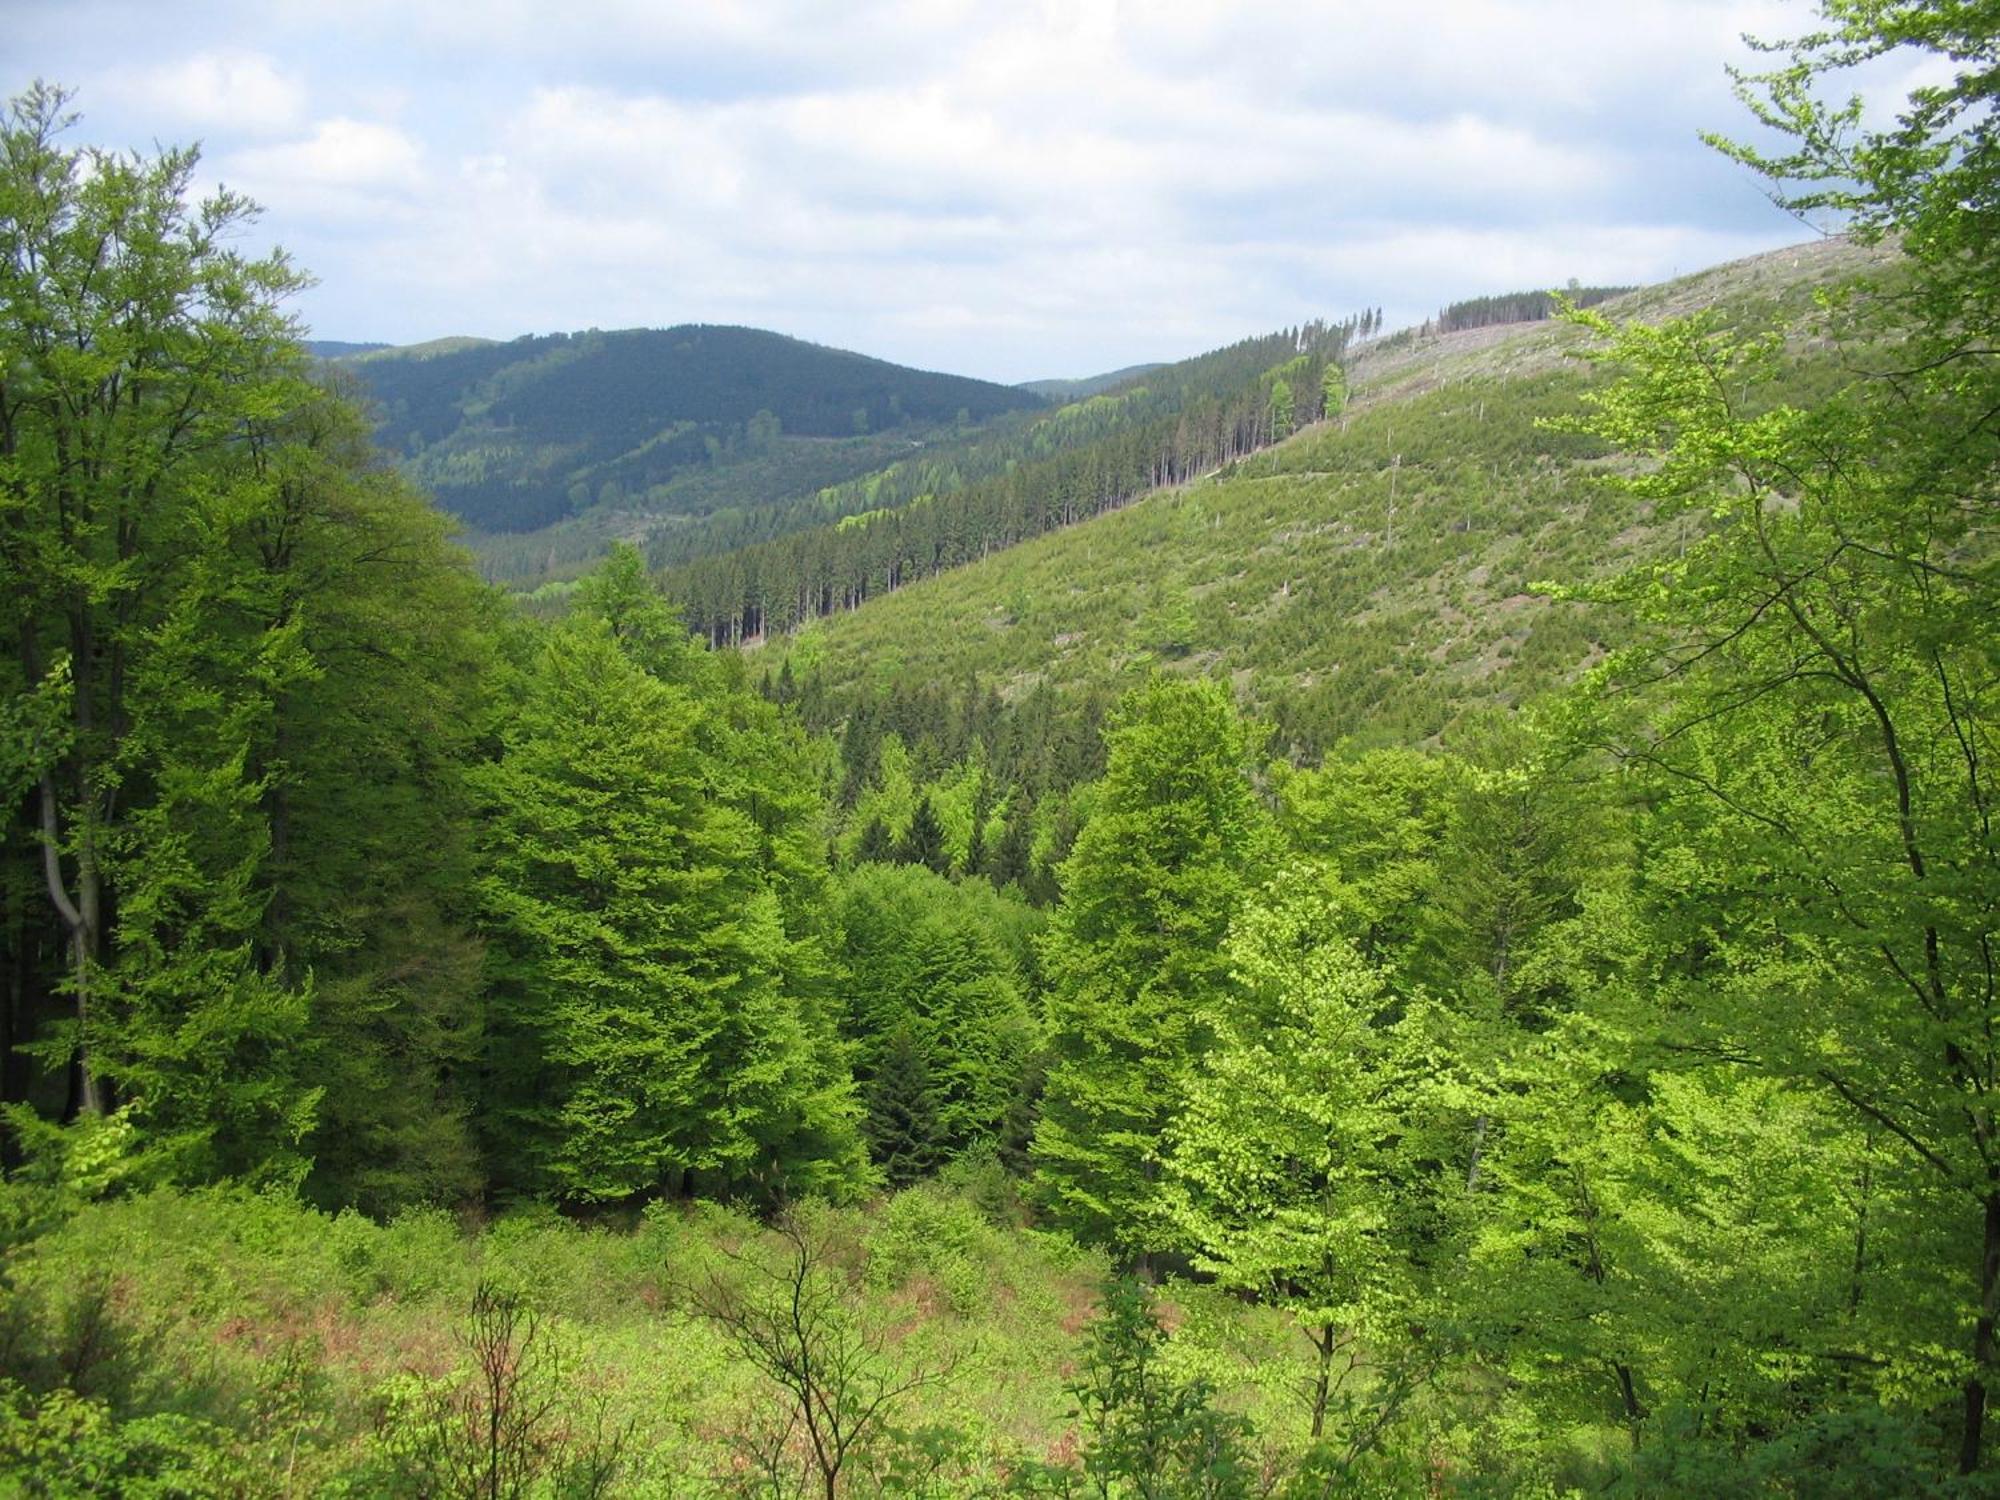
pixel 922 842
pixel 904 1136
pixel 876 847
pixel 1009 860
pixel 923 963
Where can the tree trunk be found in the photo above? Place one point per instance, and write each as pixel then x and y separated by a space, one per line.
pixel 1635 1413
pixel 1478 1150
pixel 1323 1381
pixel 1983 1350
pixel 78 916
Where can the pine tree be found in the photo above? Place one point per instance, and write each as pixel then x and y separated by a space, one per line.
pixel 1008 862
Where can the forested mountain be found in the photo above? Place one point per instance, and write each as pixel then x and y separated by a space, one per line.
pixel 1176 422
pixel 1088 385
pixel 1515 307
pixel 1400 916
pixel 515 436
pixel 338 348
pixel 1370 578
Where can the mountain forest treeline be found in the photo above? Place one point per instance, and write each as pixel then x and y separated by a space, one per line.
pixel 452 1051
pixel 1175 424
pixel 1517 307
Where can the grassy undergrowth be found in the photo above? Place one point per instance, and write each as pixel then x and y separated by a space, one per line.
pixel 225 1342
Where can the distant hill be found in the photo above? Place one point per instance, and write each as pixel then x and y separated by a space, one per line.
pixel 456 343
pixel 1088 385
pixel 514 437
pixel 1078 460
pixel 338 348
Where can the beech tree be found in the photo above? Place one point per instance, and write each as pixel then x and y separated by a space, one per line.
pixel 1300 1169
pixel 1134 954
pixel 1816 708
pixel 646 1029
pixel 137 348
pixel 206 575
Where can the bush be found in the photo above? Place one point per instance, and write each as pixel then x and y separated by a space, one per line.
pixel 931 1231
pixel 63 1445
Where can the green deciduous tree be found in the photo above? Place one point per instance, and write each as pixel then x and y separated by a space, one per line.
pixel 1134 955
pixel 1283 409
pixel 1815 712
pixel 140 351
pixel 1305 1169
pixel 648 1014
pixel 243 652
pixel 1148 1432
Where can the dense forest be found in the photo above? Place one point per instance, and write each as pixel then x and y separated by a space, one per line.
pixel 453 1049
pixel 1517 307
pixel 513 436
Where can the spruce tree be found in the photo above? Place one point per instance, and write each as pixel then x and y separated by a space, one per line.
pixel 922 842
pixel 904 1136
pixel 876 847
pixel 923 962
pixel 1008 861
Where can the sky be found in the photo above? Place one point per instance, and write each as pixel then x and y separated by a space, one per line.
pixel 1004 188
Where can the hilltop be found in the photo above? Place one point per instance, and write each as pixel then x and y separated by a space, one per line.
pixel 1088 385
pixel 516 437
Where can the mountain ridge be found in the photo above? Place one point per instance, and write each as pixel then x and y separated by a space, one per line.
pixel 513 436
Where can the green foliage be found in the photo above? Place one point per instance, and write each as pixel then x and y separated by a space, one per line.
pixel 501 431
pixel 65 1447
pixel 1133 954
pixel 647 1021
pixel 1605 1099
pixel 904 1135
pixel 1147 1433
pixel 1305 1169
pixel 954 507
pixel 939 1029
pixel 248 658
pixel 1810 709
pixel 513 1422
pixel 1519 307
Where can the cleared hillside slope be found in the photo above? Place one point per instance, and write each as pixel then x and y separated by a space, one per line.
pixel 1371 577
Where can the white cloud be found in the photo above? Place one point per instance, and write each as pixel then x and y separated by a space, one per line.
pixel 1048 185
pixel 239 91
pixel 346 156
